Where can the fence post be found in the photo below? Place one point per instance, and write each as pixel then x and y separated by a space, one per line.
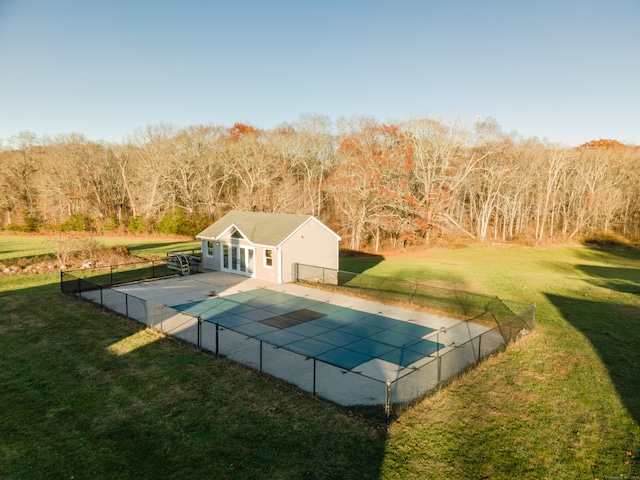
pixel 260 356
pixel 217 330
pixel 153 269
pixel 199 332
pixel 438 355
pixel 314 376
pixel 387 403
pixel 126 304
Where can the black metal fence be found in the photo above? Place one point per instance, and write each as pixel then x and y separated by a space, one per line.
pixel 464 344
pixel 310 374
pixel 117 274
pixel 512 318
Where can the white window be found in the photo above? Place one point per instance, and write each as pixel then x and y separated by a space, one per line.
pixel 268 258
pixel 209 248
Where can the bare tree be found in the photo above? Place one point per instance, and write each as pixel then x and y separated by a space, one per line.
pixel 23 165
pixel 442 163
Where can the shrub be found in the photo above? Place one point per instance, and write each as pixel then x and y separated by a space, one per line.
pixel 176 221
pixel 69 248
pixel 77 223
pixel 605 240
pixel 110 225
pixel 29 224
pixel 138 225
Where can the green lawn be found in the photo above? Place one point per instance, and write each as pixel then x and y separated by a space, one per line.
pixel 17 246
pixel 14 246
pixel 88 394
pixel 562 403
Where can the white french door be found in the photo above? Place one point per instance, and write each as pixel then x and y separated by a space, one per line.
pixel 237 259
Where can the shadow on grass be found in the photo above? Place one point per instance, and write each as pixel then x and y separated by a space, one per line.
pixel 418 272
pixel 612 328
pixel 614 331
pixel 71 406
pixel 29 284
pixel 610 254
pixel 624 280
pixel 160 249
pixel 29 259
pixel 358 262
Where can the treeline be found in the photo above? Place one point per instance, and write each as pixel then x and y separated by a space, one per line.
pixel 376 184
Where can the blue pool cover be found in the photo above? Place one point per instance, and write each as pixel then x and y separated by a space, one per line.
pixel 341 336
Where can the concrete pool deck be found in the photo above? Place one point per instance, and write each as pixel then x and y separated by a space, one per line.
pixel 367 337
pixel 346 349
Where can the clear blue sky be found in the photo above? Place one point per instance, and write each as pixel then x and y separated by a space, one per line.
pixel 567 71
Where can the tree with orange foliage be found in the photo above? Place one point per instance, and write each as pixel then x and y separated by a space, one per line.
pixel 603 143
pixel 371 182
pixel 240 129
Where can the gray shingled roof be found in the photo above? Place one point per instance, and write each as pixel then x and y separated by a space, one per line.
pixel 261 228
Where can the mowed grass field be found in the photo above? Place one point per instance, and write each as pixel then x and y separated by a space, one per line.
pixel 88 394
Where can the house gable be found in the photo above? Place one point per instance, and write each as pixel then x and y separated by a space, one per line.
pixel 258 228
pixel 232 232
pixel 236 234
pixel 315 222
